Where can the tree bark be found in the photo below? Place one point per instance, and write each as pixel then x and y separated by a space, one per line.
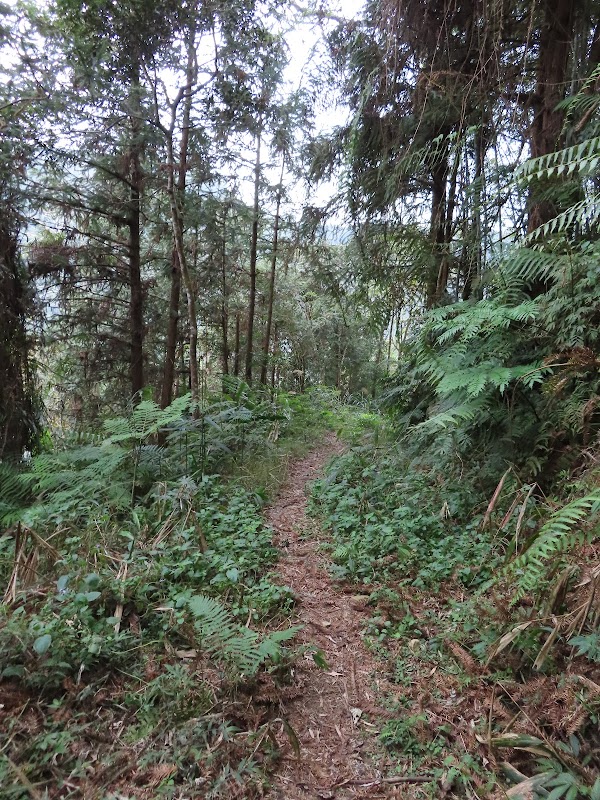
pixel 136 305
pixel 474 259
pixel 17 417
pixel 166 394
pixel 224 300
pixel 237 346
pixel 175 294
pixel 391 336
pixel 253 262
pixel 267 337
pixel 437 229
pixel 446 234
pixel 177 222
pixel 273 365
pixel 556 37
pixel 378 356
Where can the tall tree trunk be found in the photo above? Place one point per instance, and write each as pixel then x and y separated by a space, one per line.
pixel 237 345
pixel 267 337
pixel 378 356
pixel 556 38
pixel 224 300
pixel 175 294
pixel 273 365
pixel 448 214
pixel 437 229
pixel 391 336
pixel 474 258
pixel 175 199
pixel 17 418
pixel 136 301
pixel 190 289
pixel 166 394
pixel 253 262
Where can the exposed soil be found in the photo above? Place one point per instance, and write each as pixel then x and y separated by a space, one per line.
pixel 336 718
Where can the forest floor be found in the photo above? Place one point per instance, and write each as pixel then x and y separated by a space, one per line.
pixel 336 717
pixel 404 679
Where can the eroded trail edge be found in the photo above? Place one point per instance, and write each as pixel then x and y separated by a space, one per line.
pixel 335 717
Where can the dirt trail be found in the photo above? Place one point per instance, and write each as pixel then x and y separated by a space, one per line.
pixel 335 717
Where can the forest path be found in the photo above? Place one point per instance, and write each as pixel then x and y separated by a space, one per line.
pixel 335 716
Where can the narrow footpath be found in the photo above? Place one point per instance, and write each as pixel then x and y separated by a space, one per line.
pixel 336 718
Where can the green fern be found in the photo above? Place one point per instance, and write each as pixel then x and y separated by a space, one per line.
pixel 577 163
pixel 222 637
pixel 585 213
pixel 561 533
pixel 464 354
pixel 584 103
pixel 473 320
pixel 475 379
pixel 467 412
pixel 146 420
pixel 75 482
pixel 14 493
pixel 529 264
pixel 582 159
pixel 100 477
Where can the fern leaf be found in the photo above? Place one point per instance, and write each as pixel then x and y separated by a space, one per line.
pixel 209 613
pixel 529 264
pixel 463 412
pixel 224 638
pixel 14 491
pixel 582 158
pixel 585 213
pixel 147 419
pixel 270 647
pixel 475 379
pixel 558 535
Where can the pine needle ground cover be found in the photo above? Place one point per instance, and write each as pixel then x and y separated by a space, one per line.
pixel 134 656
pixel 484 613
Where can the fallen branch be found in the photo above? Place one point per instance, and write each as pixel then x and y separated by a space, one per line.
pixel 395 780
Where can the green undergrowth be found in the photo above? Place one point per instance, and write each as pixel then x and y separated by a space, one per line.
pixel 391 523
pixel 481 597
pixel 304 420
pixel 142 620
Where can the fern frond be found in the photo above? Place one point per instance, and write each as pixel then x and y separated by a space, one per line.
pixel 224 638
pixel 582 159
pixel 586 214
pixel 118 429
pixel 529 264
pixel 146 419
pixel 580 104
pixel 461 412
pixel 270 646
pixel 472 320
pixel 557 535
pixel 14 492
pixel 211 616
pixel 475 379
pixel 74 482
